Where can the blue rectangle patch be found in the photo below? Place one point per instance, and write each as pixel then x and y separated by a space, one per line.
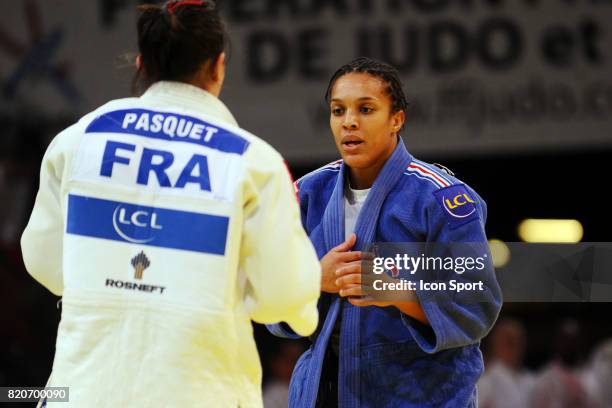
pixel 137 224
pixel 168 126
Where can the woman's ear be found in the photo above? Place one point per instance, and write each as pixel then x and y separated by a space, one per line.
pixel 210 76
pixel 216 71
pixel 138 62
pixel 218 74
pixel 398 119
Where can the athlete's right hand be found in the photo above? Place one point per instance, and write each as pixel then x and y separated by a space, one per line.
pixel 336 258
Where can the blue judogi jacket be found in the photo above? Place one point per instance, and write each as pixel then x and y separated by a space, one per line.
pixel 388 359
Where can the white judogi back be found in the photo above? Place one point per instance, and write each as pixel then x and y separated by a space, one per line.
pixel 166 228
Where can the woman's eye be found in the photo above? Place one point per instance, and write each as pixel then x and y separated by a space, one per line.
pixel 366 109
pixel 337 111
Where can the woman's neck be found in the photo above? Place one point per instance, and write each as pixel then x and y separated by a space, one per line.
pixel 360 179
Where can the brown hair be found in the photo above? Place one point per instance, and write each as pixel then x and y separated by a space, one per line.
pixel 175 39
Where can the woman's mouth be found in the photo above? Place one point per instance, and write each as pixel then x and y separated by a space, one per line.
pixel 354 143
pixel 351 145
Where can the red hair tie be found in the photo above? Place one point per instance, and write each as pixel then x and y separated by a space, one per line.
pixel 172 6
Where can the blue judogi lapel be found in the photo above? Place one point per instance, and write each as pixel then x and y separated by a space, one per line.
pixel 365 228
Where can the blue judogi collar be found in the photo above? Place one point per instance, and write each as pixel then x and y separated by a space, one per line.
pixel 365 228
pixel 368 216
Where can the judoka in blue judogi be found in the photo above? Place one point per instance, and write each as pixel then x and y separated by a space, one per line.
pixel 386 358
pixel 370 351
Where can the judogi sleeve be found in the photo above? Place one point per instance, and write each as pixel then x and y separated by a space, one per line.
pixel 282 329
pixel 41 242
pixel 455 322
pixel 281 265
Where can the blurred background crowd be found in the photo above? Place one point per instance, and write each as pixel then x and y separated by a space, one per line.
pixel 514 96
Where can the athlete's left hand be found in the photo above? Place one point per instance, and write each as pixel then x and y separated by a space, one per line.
pixel 359 288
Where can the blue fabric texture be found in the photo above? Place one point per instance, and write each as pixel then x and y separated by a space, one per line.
pixel 388 359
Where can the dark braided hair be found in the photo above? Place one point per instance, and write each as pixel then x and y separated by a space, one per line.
pixel 378 69
pixel 175 39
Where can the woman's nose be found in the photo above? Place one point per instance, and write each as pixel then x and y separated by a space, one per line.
pixel 350 121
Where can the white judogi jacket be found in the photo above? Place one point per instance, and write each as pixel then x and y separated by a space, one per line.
pixel 166 228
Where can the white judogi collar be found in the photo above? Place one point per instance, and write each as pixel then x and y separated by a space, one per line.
pixel 189 97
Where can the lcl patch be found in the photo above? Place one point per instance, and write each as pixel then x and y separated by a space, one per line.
pixel 457 204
